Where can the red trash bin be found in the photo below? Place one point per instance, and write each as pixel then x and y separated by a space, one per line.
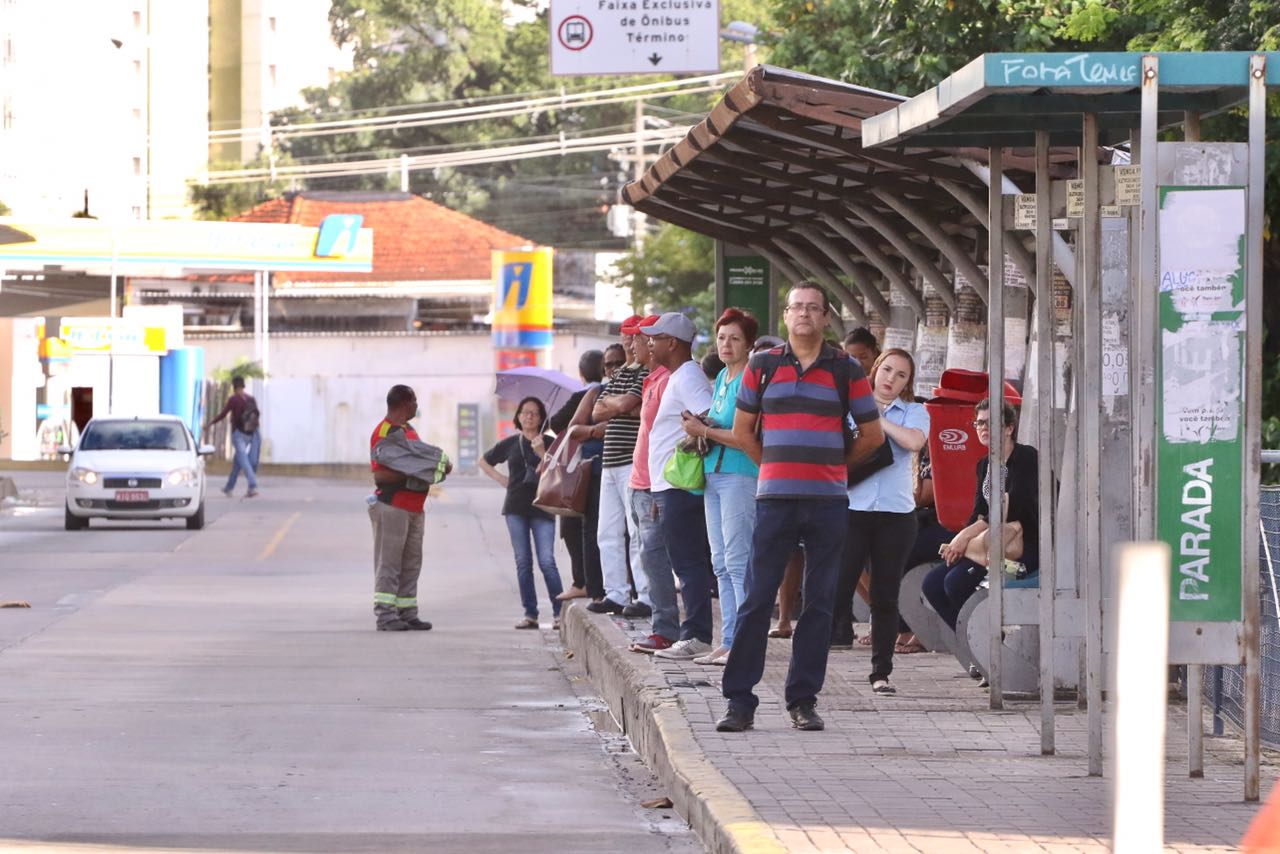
pixel 954 449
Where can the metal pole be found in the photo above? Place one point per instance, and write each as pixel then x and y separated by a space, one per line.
pixel 1195 673
pixel 636 174
pixel 1044 413
pixel 1252 419
pixel 111 331
pixel 257 317
pixel 1089 370
pixel 266 326
pixel 1142 323
pixel 1138 693
pixel 995 450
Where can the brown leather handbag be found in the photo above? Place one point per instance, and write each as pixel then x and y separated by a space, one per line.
pixel 564 479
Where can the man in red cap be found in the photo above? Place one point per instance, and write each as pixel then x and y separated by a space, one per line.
pixel 619 409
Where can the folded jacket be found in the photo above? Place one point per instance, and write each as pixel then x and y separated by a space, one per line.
pixel 423 464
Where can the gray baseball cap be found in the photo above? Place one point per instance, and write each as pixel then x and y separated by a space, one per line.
pixel 672 323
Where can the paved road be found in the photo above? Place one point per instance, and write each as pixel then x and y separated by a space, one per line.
pixel 224 690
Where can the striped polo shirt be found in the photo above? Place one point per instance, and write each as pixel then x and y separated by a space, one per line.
pixel 620 432
pixel 802 423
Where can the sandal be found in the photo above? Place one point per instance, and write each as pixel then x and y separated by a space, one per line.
pixel 555 624
pixel 780 633
pixel 527 623
pixel 865 640
pixel 910 647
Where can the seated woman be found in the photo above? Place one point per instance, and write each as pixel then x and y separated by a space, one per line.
pixel 949 585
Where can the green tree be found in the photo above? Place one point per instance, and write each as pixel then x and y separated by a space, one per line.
pixel 675 271
pixel 221 201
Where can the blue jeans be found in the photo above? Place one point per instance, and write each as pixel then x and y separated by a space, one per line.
pixel 684 527
pixel 947 588
pixel 657 564
pixel 780 526
pixel 543 529
pixel 247 446
pixel 730 503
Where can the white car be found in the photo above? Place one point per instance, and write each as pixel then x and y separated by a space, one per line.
pixel 146 467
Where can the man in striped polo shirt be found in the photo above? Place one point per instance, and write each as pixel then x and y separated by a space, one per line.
pixel 619 409
pixel 791 394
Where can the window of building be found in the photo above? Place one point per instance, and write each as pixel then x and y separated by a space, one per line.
pixel 271 72
pixel 8 51
pixel 271 24
pixel 137 114
pixel 137 212
pixel 137 68
pixel 8 112
pixel 137 165
pixel 137 20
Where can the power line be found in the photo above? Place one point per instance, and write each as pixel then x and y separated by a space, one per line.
pixel 455 115
pixel 470 157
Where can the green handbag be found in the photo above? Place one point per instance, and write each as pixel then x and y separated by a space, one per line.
pixel 684 471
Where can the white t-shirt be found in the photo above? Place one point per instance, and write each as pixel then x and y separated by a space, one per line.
pixel 688 389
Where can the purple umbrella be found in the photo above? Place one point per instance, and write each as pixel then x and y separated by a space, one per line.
pixel 550 386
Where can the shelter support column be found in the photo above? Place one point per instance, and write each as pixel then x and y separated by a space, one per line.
pixel 1253 419
pixel 1044 416
pixel 1088 399
pixel 995 450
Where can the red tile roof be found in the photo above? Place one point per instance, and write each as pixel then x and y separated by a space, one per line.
pixel 413 239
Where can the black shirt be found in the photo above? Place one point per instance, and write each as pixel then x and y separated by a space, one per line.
pixel 1022 496
pixel 522 479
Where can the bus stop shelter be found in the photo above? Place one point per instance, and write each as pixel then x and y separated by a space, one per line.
pixel 857 188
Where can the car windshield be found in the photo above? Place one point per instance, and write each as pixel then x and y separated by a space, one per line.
pixel 134 436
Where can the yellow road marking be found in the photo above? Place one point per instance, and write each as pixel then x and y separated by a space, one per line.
pixel 275 541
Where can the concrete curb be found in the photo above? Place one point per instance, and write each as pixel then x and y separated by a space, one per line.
pixel 649 712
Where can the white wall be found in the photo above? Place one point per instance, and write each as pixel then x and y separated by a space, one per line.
pixel 326 394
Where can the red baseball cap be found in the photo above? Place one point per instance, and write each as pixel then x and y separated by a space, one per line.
pixel 631 325
pixel 648 321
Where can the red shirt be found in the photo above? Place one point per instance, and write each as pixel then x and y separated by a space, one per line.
pixel 405 499
pixel 654 385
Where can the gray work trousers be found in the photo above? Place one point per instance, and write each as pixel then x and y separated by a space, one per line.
pixel 397 561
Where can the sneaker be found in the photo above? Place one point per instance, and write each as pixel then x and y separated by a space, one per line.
pixel 842 637
pixel 651 645
pixel 251 493
pixel 418 625
pixel 735 720
pixel 805 717
pixel 710 658
pixel 883 686
pixel 226 492
pixel 637 610
pixel 684 650
pixel 605 606
pixel 393 626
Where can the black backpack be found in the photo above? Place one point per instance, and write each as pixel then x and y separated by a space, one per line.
pixel 248 421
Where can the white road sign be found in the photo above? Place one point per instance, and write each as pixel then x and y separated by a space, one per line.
pixel 635 36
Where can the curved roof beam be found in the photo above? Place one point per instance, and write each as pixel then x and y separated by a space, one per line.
pixel 848 298
pixel 910 251
pixel 1012 243
pixel 955 254
pixel 1063 255
pixel 873 255
pixel 842 260
pixel 791 274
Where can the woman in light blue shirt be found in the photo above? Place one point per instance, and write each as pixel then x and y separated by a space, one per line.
pixel 882 519
pixel 730 500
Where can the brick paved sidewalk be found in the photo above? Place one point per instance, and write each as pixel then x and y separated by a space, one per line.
pixel 931 769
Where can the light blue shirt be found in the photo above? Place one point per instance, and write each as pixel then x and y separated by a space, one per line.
pixel 891 490
pixel 724 406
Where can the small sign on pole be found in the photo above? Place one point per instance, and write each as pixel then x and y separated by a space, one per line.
pixel 635 36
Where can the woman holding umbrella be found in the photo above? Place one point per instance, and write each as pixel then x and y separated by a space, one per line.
pixel 522 453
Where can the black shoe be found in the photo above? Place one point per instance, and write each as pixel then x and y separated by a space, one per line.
pixel 605 606
pixel 637 610
pixel 393 626
pixel 418 625
pixel 806 718
pixel 736 720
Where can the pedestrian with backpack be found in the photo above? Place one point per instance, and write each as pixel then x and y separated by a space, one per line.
pixel 245 436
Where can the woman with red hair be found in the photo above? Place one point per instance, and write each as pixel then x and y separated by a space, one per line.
pixel 730 500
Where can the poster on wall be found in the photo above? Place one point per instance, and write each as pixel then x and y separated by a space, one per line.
pixel 1199 407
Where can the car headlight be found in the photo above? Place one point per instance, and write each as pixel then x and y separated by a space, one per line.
pixel 86 476
pixel 181 477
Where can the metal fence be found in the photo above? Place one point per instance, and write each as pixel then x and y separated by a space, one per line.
pixel 1224 686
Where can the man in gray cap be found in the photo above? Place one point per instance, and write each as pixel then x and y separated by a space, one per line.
pixel 684 525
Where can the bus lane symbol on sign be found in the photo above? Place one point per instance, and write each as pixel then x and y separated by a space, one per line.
pixel 575 32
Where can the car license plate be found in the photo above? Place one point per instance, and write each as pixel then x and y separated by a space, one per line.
pixel 132 495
